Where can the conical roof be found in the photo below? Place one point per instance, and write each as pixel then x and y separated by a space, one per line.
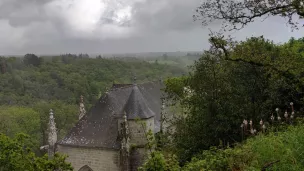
pixel 136 106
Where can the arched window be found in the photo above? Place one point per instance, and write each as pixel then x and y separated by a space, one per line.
pixel 85 168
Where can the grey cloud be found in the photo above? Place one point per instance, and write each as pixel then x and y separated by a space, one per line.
pixel 156 25
pixel 163 16
pixel 22 12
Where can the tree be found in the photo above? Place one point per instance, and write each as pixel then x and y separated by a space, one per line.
pixel 66 116
pixel 211 108
pixel 32 59
pixel 3 65
pixel 165 56
pixel 240 13
pixel 15 154
pixel 66 81
pixel 14 120
pixel 221 91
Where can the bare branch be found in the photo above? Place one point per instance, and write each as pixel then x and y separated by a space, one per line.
pixel 238 13
pixel 267 165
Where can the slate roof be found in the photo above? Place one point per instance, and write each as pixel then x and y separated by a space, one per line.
pixel 137 106
pixel 99 127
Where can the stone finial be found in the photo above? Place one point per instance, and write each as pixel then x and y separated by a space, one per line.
pixel 81 99
pixel 161 79
pixel 52 138
pixel 163 103
pixel 52 129
pixel 125 133
pixel 134 79
pixel 82 110
pixel 162 112
pixel 125 144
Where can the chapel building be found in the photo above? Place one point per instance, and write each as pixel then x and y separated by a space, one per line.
pixel 111 136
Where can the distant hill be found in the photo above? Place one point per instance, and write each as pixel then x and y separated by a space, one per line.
pixel 30 79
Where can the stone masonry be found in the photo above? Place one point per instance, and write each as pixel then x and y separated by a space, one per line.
pixel 96 159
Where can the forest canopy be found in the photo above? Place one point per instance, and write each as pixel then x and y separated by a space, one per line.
pixel 32 85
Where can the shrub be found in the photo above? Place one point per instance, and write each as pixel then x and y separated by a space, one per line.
pixel 277 150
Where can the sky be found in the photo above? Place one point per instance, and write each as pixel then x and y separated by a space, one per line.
pixel 114 26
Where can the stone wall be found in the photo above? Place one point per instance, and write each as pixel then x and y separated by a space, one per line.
pixel 96 159
pixel 137 158
pixel 137 133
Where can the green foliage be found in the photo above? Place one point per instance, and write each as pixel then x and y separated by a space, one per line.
pixel 32 59
pixel 15 155
pixel 65 117
pixel 159 162
pixel 43 83
pixel 286 147
pixel 211 160
pixel 175 87
pixel 182 61
pixel 68 77
pixel 276 151
pixel 34 120
pixel 14 120
pixel 256 77
pixel 156 162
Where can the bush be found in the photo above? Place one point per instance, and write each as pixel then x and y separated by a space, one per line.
pixel 15 155
pixel 278 151
pixel 158 162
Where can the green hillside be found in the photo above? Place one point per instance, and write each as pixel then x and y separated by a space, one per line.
pixel 66 78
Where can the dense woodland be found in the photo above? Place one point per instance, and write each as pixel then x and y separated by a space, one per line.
pixel 258 77
pixel 27 80
pixel 32 85
pixel 234 104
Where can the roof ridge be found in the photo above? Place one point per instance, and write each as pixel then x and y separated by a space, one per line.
pixel 129 85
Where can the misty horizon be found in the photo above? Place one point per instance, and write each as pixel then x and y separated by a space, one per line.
pixel 121 26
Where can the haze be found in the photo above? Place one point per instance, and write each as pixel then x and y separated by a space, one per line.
pixel 113 26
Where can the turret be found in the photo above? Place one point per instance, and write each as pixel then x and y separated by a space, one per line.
pixel 139 116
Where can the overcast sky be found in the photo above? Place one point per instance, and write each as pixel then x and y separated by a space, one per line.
pixel 113 26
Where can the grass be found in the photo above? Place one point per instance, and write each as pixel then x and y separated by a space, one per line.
pixel 282 151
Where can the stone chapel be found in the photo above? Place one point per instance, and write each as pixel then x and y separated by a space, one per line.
pixel 108 136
